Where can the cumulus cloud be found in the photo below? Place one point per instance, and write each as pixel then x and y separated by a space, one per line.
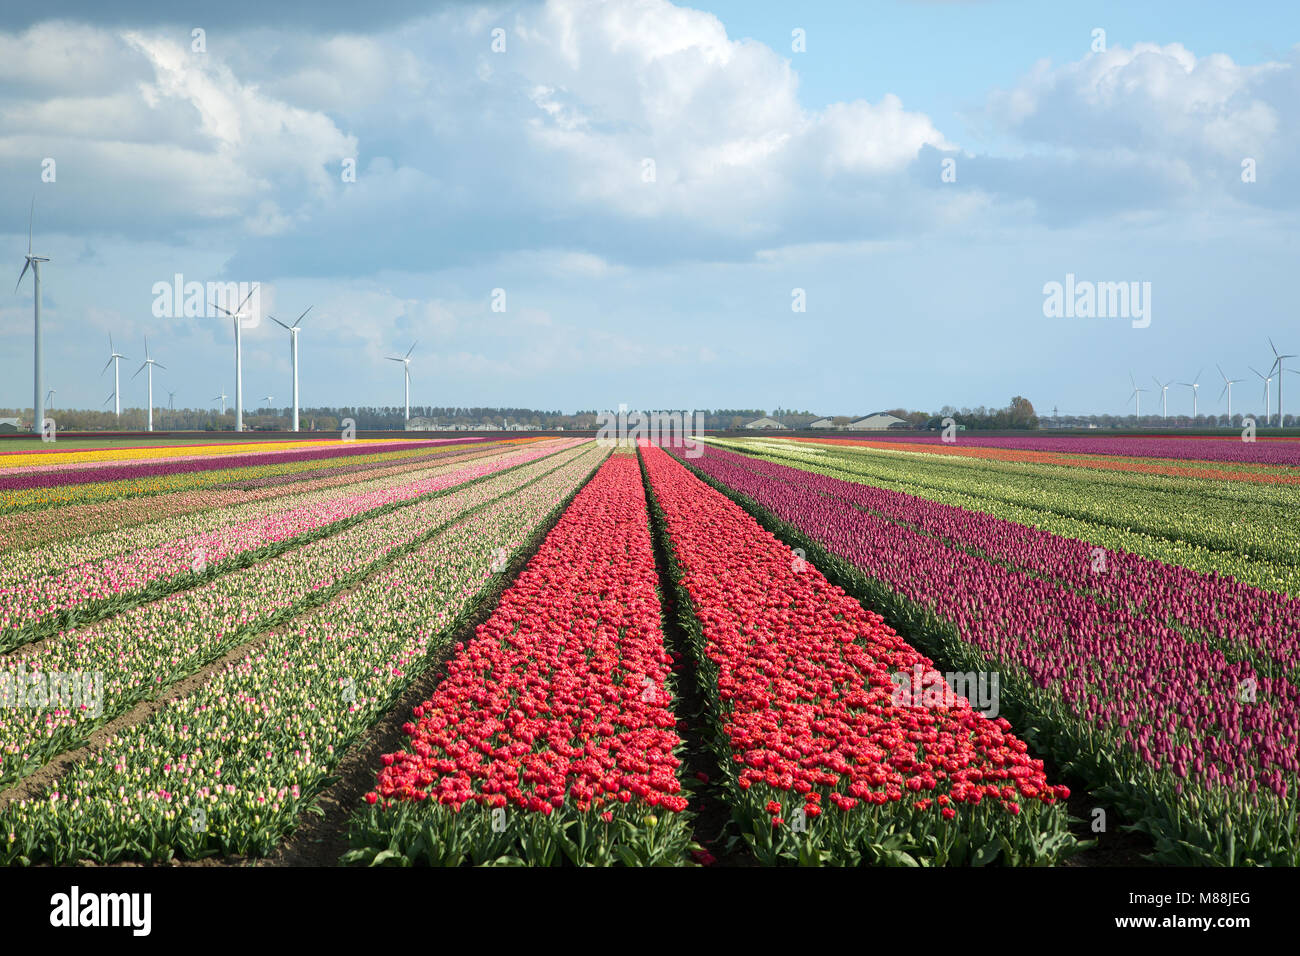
pixel 1149 127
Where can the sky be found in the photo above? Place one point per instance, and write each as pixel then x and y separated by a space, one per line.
pixel 840 207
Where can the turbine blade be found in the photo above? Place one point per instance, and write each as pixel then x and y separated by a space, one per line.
pixel 394 358
pixel 251 293
pixel 411 349
pixel 277 322
pixel 1220 368
pixel 105 368
pixel 140 369
pixel 298 321
pixel 1272 346
pixel 26 265
pixel 110 397
pixel 160 364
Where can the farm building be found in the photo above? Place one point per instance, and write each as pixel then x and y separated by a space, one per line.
pixel 877 422
pixel 823 423
pixel 761 423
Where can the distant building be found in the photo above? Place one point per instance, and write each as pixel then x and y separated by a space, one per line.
pixel 768 423
pixel 823 423
pixel 878 422
pixel 11 425
pixel 423 425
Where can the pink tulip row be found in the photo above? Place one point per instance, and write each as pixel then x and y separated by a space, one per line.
pixel 27 530
pixel 25 603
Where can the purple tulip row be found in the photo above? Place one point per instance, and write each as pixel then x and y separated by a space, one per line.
pixel 1127 678
pixel 1262 451
pixel 155 469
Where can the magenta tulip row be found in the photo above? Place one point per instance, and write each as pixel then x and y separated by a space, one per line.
pixel 17 479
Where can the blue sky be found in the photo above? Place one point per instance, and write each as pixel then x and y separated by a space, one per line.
pixel 774 170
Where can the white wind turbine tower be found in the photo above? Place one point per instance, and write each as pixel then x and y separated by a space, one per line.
pixel 1137 394
pixel 221 398
pixel 149 364
pixel 1227 387
pixel 38 384
pixel 1277 364
pixel 406 369
pixel 171 407
pixel 1164 397
pixel 293 354
pixel 1268 395
pixel 1195 386
pixel 49 398
pixel 239 358
pixel 114 357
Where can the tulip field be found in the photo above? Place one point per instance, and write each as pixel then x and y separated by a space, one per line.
pixel 1165 677
pixel 546 651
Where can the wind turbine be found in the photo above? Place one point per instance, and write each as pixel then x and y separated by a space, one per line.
pixel 1195 386
pixel 406 368
pixel 1227 387
pixel 239 359
pixel 293 354
pixel 49 398
pixel 1164 397
pixel 1277 364
pixel 149 364
pixel 38 384
pixel 114 357
pixel 171 407
pixel 267 399
pixel 1268 381
pixel 222 398
pixel 1137 393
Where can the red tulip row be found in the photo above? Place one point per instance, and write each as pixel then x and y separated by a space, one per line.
pixel 552 736
pixel 827 764
pixel 1199 747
